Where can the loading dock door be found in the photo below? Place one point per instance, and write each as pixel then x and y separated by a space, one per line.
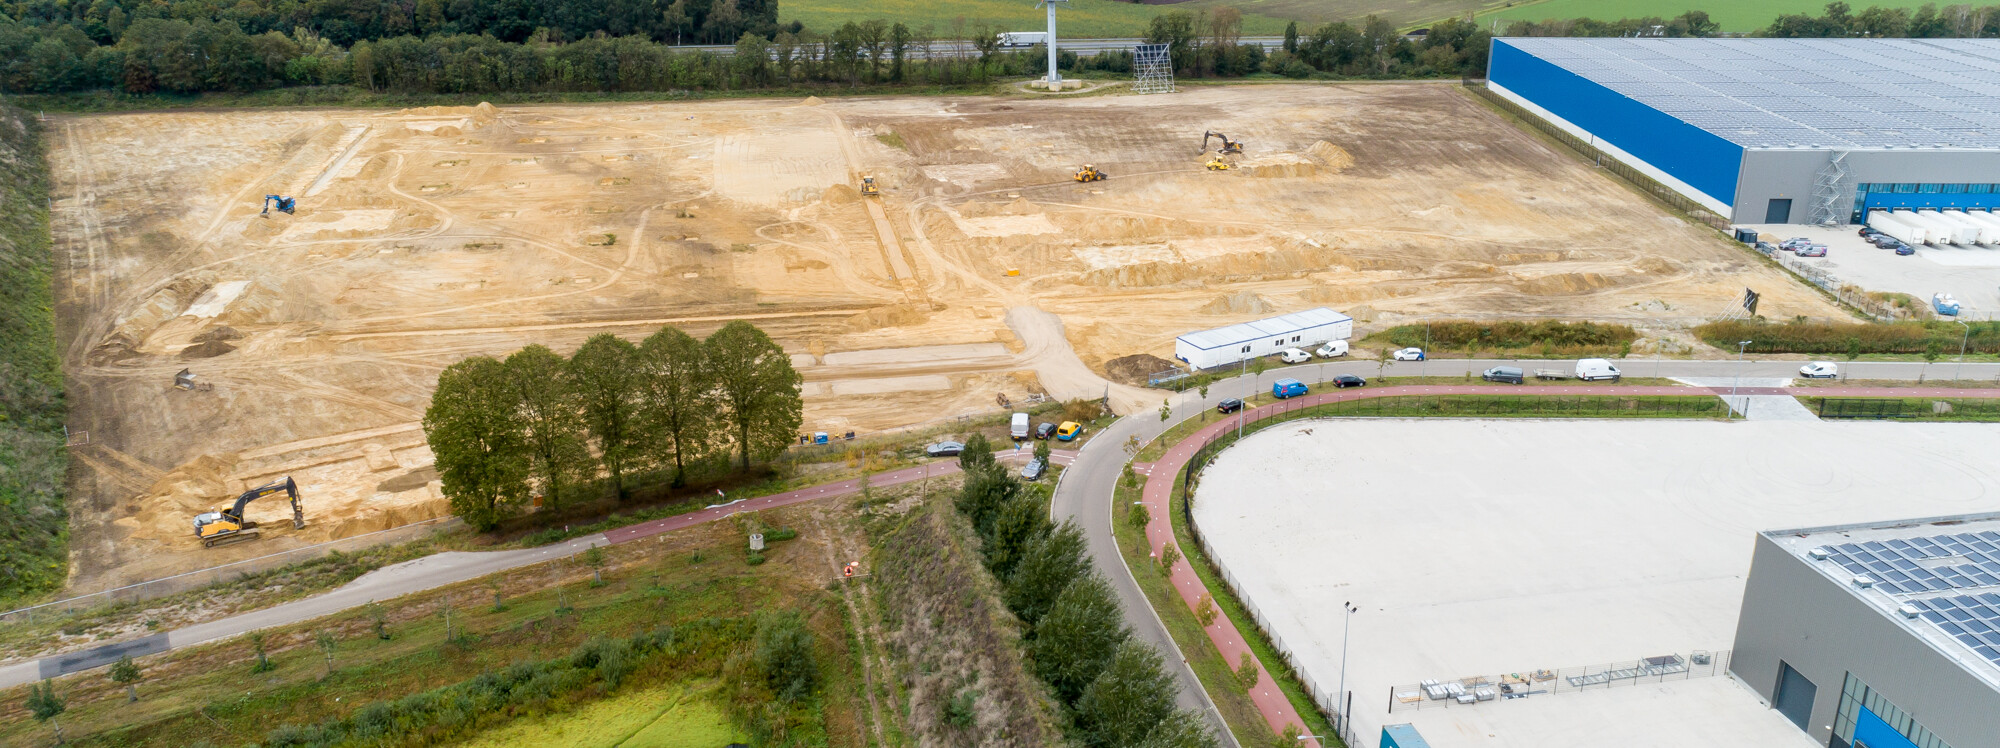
pixel 1779 211
pixel 1795 695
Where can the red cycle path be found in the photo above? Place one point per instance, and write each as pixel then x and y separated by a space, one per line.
pixel 1271 702
pixel 878 480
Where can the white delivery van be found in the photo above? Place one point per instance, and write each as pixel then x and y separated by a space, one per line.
pixel 1020 430
pixel 1294 356
pixel 1593 369
pixel 1333 349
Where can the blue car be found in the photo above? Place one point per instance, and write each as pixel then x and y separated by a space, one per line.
pixel 1285 388
pixel 1905 249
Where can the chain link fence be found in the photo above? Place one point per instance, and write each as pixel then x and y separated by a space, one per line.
pixel 1481 690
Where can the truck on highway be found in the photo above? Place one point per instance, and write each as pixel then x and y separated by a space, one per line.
pixel 1022 39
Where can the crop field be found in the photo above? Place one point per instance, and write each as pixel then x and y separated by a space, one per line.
pixel 1733 15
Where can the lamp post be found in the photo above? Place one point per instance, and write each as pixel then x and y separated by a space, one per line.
pixel 1340 699
pixel 1962 338
pixel 1055 78
pixel 1740 345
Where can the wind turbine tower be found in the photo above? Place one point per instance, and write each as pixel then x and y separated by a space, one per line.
pixel 1055 79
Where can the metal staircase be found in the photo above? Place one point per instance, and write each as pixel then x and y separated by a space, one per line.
pixel 1828 193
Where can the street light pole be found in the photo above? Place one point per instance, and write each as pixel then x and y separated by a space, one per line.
pixel 1962 338
pixel 1340 698
pixel 1740 345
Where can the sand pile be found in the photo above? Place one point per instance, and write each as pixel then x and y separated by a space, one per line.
pixel 840 194
pixel 447 121
pixel 1136 368
pixel 1334 159
pixel 1241 302
pixel 167 510
pixel 206 349
pixel 223 332
pixel 894 315
pixel 1561 284
pixel 811 101
pixel 1278 165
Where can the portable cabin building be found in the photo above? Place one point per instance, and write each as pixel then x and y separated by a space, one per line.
pixel 1224 346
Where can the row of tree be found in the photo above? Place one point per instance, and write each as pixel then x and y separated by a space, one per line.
pixel 349 21
pixel 1113 687
pixel 1837 20
pixel 537 424
pixel 1208 43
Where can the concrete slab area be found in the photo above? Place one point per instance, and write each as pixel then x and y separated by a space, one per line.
pixel 1972 273
pixel 1481 547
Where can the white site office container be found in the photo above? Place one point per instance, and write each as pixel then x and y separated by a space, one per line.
pixel 1223 346
pixel 1889 223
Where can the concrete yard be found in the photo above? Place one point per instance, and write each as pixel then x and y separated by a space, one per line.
pixel 1969 272
pixel 1484 547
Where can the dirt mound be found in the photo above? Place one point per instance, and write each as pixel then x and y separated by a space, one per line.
pixel 1334 159
pixel 1561 284
pixel 811 101
pixel 1241 302
pixel 1278 165
pixel 1135 368
pixel 223 332
pixel 840 194
pixel 209 349
pixel 197 486
pixel 895 315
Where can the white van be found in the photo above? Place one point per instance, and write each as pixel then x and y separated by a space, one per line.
pixel 1294 356
pixel 1593 369
pixel 1020 430
pixel 1333 349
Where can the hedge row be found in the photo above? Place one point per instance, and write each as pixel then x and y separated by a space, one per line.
pixel 1551 334
pixel 1853 338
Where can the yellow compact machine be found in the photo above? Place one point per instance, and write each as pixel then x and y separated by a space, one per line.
pixel 1217 164
pixel 1089 174
pixel 228 525
pixel 868 187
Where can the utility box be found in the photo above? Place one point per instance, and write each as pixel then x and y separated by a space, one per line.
pixel 1402 736
pixel 756 541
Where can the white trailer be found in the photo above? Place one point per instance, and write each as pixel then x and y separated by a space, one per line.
pixel 1987 220
pixel 1976 233
pixel 1224 346
pixel 1941 228
pixel 1022 39
pixel 1891 224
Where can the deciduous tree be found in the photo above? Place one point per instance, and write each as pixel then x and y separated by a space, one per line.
pixel 604 375
pixel 679 398
pixel 474 430
pixel 1050 563
pixel 1129 699
pixel 1076 640
pixel 550 422
pixel 757 388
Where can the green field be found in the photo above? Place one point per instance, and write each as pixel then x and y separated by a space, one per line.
pixel 669 717
pixel 1733 15
pixel 947 18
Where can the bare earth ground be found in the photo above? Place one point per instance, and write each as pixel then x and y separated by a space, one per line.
pixel 425 236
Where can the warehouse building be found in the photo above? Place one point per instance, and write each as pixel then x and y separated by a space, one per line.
pixel 1881 635
pixel 1776 130
pixel 1223 346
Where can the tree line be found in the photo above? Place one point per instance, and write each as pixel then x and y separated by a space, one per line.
pixel 1208 43
pixel 346 22
pixel 1113 688
pixel 537 425
pixel 1837 20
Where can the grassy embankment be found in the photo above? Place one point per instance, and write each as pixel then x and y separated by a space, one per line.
pixel 34 527
pixel 1732 15
pixel 1542 339
pixel 191 695
pixel 1932 340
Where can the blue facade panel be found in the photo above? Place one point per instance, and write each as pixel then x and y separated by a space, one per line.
pixel 1929 200
pixel 1871 731
pixel 1703 160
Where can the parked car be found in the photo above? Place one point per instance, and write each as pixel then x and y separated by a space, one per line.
pixel 1766 247
pixel 1794 243
pixel 1045 430
pixel 1819 370
pixel 1508 374
pixel 1229 406
pixel 1069 431
pixel 1034 469
pixel 1294 356
pixel 1905 249
pixel 1884 241
pixel 1349 380
pixel 1409 354
pixel 1019 428
pixel 1593 369
pixel 1869 233
pixel 944 449
pixel 1813 250
pixel 1285 388
pixel 1333 349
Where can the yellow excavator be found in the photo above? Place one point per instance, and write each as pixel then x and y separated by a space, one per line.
pixel 228 525
pixel 1089 174
pixel 1229 147
pixel 868 187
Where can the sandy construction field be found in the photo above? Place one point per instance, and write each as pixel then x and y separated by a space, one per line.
pixel 424 236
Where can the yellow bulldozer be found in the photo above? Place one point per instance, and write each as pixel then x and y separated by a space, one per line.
pixel 868 187
pixel 1089 173
pixel 1217 164
pixel 228 525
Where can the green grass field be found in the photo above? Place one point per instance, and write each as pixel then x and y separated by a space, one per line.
pixel 1082 19
pixel 1733 15
pixel 666 717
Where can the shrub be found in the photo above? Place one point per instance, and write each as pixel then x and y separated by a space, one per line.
pixel 1551 335
pixel 784 656
pixel 1852 338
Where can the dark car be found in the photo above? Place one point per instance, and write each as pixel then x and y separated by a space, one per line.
pixel 1034 469
pixel 1045 430
pixel 1868 232
pixel 1229 406
pixel 1349 380
pixel 1905 249
pixel 1508 374
pixel 944 449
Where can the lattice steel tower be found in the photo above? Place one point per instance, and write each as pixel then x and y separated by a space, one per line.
pixel 1153 69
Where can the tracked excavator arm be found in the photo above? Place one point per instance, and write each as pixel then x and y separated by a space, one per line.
pixel 1228 146
pixel 228 525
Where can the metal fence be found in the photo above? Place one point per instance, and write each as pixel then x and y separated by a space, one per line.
pixel 221 574
pixel 1822 276
pixel 1486 690
pixel 1865 408
pixel 1603 160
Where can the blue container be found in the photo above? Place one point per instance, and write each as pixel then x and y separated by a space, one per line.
pixel 819 437
pixel 1402 736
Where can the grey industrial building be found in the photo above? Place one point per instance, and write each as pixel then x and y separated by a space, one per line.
pixel 1777 130
pixel 1882 635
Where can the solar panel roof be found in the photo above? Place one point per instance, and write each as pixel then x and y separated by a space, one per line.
pixel 1803 93
pixel 1263 328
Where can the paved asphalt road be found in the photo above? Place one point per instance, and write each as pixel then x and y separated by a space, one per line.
pixel 1085 479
